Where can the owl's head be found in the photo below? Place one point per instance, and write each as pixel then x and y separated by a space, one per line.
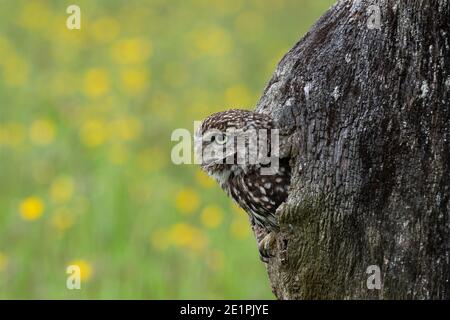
pixel 227 140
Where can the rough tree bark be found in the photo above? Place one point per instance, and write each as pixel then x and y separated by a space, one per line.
pixel 367 113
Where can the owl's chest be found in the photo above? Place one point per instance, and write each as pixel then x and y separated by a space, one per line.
pixel 257 195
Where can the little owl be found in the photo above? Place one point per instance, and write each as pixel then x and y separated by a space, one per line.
pixel 234 147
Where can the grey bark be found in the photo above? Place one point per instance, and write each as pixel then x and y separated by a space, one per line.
pixel 367 114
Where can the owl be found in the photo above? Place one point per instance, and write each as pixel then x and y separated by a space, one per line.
pixel 236 148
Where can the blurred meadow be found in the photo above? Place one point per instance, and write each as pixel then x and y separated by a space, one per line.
pixel 85 122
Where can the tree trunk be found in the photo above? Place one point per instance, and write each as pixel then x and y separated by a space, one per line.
pixel 367 112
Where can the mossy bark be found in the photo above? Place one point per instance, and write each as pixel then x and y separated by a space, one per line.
pixel 367 114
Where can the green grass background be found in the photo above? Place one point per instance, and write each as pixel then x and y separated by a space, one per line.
pixel 85 124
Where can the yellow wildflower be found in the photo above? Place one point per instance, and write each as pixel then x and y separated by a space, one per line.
pixel 185 235
pixel 212 216
pixel 86 269
pixel 187 201
pixel 96 82
pixel 31 208
pixel 131 51
pixel 93 132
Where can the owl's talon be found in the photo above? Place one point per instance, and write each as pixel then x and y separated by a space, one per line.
pixel 266 247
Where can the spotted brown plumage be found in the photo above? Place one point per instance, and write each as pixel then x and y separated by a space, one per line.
pixel 259 195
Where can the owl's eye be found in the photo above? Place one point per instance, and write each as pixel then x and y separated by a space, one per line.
pixel 220 139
